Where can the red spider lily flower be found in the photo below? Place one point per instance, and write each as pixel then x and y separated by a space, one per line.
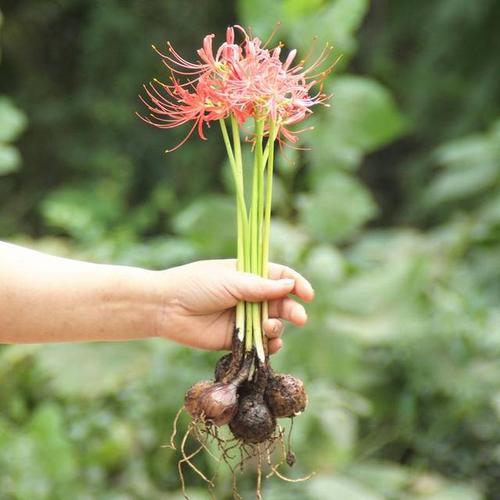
pixel 201 99
pixel 272 88
pixel 244 80
pixel 177 106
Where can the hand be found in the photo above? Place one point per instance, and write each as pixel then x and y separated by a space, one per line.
pixel 200 304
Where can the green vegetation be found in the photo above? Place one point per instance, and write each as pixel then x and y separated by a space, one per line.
pixel 394 215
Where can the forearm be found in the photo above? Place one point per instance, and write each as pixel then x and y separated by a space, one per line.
pixel 50 299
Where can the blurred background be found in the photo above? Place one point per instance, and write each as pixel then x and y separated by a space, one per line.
pixel 394 214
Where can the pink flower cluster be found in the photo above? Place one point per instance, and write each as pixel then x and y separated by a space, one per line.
pixel 245 80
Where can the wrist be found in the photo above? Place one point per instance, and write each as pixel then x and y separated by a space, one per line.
pixel 165 320
pixel 137 298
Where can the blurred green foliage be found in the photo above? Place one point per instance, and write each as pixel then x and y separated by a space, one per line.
pixel 394 215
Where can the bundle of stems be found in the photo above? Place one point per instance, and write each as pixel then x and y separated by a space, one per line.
pixel 254 223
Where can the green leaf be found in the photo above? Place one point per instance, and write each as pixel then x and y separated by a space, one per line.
pixel 363 117
pixel 453 185
pixel 53 449
pixel 12 121
pixel 495 131
pixel 387 478
pixel 342 488
pixel 336 208
pixel 468 152
pixel 334 23
pixel 298 8
pixel 94 369
pixel 331 21
pixel 431 487
pixel 347 15
pixel 38 461
pixel 87 212
pixel 325 263
pixel 261 15
pixel 159 253
pixel 116 447
pixel 210 223
pixel 288 242
pixel 471 165
pixel 10 159
pixel 488 216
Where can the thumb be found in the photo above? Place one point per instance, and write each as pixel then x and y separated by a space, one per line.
pixel 253 288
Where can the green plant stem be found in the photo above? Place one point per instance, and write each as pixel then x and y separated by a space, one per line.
pixel 255 213
pixel 260 208
pixel 256 232
pixel 241 217
pixel 246 229
pixel 239 171
pixel 253 226
pixel 266 230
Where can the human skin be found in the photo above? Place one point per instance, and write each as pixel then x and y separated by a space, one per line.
pixel 44 298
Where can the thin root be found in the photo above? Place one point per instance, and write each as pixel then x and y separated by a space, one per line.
pixel 258 490
pixel 274 467
pixel 187 459
pixel 278 474
pixel 204 442
pixel 206 434
pixel 174 430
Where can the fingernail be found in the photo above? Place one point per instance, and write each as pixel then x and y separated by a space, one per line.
pixel 286 282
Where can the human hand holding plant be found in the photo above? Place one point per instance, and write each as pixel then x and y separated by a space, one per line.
pixel 201 298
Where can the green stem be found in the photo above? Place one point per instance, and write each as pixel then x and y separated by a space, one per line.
pixel 255 214
pixel 236 163
pixel 238 158
pixel 253 225
pixel 268 200
pixel 260 209
pixel 256 232
pixel 227 143
pixel 266 231
pixel 239 170
pixel 241 219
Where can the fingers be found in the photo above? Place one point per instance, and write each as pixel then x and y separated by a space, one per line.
pixel 254 288
pixel 288 310
pixel 273 327
pixel 302 288
pixel 274 345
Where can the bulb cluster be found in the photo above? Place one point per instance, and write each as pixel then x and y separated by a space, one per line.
pixel 248 403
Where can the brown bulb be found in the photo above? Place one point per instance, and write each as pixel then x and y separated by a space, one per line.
pixel 285 395
pixel 219 403
pixel 253 423
pixel 193 397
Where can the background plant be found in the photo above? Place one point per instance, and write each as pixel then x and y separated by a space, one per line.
pixel 393 214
